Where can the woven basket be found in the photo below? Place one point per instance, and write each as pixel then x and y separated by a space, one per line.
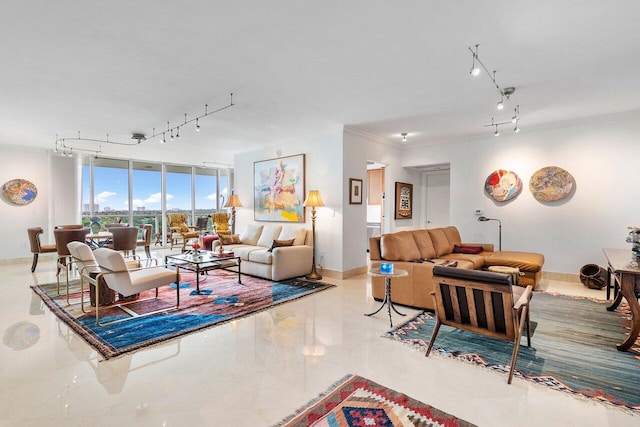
pixel 593 276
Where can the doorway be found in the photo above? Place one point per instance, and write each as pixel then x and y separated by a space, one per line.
pixel 437 184
pixel 375 200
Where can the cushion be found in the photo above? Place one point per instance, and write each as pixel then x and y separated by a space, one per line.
pixel 453 235
pixel 440 242
pixel 269 232
pixel 297 233
pixel 281 243
pixel 399 246
pixel 230 239
pixel 251 234
pixel 467 249
pixel 424 243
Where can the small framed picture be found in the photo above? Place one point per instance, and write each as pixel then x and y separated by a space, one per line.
pixel 404 200
pixel 355 191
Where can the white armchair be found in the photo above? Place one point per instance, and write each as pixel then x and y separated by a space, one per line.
pixel 129 282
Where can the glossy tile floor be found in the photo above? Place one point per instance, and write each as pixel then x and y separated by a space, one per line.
pixel 254 371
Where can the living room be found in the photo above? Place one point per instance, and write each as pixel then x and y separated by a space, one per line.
pixel 588 127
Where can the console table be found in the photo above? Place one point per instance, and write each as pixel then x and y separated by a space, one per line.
pixel 619 260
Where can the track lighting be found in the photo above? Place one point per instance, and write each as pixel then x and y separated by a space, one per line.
pixel 404 136
pixel 503 92
pixel 140 137
pixel 496 126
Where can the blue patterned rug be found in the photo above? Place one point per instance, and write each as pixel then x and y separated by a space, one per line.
pixel 221 300
pixel 572 348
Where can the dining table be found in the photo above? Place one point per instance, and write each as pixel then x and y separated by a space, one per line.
pixel 99 239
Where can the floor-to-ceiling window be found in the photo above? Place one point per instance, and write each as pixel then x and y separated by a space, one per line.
pixel 132 191
pixel 147 194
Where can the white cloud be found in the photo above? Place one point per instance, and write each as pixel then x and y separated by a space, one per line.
pixel 156 198
pixel 138 202
pixel 102 197
pixel 212 196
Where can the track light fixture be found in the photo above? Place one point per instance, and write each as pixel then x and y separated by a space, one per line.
pixel 495 125
pixel 67 151
pixel 503 92
pixel 404 136
pixel 140 137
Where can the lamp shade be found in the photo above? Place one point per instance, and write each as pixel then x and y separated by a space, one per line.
pixel 313 199
pixel 233 202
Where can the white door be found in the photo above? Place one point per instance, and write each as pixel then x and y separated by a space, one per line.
pixel 437 199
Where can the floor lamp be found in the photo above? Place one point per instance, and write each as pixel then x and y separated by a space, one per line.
pixel 233 203
pixel 484 218
pixel 313 200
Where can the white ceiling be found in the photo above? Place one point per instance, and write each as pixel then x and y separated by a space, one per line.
pixel 296 67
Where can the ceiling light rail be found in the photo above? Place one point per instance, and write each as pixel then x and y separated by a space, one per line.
pixel 65 150
pixel 138 138
pixel 514 121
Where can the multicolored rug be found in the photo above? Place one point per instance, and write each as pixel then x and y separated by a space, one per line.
pixel 358 402
pixel 572 349
pixel 222 299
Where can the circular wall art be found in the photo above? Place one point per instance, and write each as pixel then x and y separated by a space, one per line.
pixel 19 192
pixel 550 184
pixel 503 185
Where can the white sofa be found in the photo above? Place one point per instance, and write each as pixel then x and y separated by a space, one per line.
pixel 277 264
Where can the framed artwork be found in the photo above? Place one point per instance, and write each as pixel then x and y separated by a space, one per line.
pixel 355 191
pixel 279 191
pixel 404 200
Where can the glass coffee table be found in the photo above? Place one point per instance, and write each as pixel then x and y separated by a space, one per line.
pixel 203 262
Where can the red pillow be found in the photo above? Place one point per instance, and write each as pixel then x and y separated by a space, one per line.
pixel 467 249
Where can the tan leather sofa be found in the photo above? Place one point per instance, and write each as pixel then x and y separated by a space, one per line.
pixel 405 249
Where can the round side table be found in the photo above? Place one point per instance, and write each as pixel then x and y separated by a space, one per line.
pixel 387 291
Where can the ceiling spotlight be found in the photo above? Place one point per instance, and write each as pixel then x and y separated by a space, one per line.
pixel 404 136
pixel 516 129
pixel 516 113
pixel 500 105
pixel 163 140
pixel 474 70
pixel 171 138
pixel 197 126
pixel 496 133
pixel 178 132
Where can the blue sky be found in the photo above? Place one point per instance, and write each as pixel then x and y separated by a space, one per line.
pixel 111 189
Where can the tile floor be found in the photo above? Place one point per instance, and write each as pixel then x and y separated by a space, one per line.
pixel 254 371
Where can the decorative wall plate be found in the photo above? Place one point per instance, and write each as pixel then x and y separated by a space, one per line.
pixel 551 183
pixel 503 185
pixel 19 192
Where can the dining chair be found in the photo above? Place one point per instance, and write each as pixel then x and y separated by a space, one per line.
pixel 65 260
pixel 145 239
pixel 124 239
pixel 36 247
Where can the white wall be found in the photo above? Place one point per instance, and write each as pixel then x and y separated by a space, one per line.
pixel 358 149
pixel 56 202
pixel 323 172
pixel 599 152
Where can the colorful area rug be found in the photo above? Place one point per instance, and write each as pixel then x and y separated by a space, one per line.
pixel 572 349
pixel 356 401
pixel 223 299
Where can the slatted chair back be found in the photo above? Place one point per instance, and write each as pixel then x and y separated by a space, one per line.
pixel 482 302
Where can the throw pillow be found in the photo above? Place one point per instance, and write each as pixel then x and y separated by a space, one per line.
pixel 230 239
pixel 467 249
pixel 281 243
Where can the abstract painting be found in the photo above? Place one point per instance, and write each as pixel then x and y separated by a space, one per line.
pixel 279 189
pixel 550 184
pixel 502 185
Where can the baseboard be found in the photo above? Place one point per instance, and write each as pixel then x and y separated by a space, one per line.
pixel 335 274
pixel 564 277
